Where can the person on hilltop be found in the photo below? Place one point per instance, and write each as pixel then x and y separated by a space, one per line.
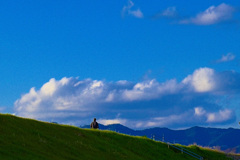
pixel 94 124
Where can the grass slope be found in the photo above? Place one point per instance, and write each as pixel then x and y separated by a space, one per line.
pixel 30 139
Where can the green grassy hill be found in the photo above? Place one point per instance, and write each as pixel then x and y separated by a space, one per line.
pixel 30 139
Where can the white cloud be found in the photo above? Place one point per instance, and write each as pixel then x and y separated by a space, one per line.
pixel 70 100
pixel 226 58
pixel 202 80
pixel 164 121
pixel 221 116
pixel 96 84
pixel 212 15
pixel 150 89
pixel 188 117
pixel 49 88
pixel 128 9
pixel 123 82
pixel 169 120
pixel 137 13
pixel 199 111
pixel 112 121
pixel 67 94
pixel 170 12
pixel 214 117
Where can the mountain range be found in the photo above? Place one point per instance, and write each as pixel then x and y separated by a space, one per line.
pixel 226 140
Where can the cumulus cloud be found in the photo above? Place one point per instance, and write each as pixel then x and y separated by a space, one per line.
pixel 202 80
pixel 226 58
pixel 128 9
pixel 148 103
pixel 55 97
pixel 212 15
pixel 149 90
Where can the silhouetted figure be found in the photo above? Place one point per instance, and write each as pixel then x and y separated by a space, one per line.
pixel 94 124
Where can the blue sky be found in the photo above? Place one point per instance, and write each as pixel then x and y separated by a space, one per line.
pixel 143 64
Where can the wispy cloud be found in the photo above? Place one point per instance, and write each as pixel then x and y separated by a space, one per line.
pixel 170 12
pixel 167 120
pixel 212 15
pixel 199 111
pixel 213 117
pixel 226 58
pixel 129 10
pixel 220 116
pixel 146 103
pixel 112 121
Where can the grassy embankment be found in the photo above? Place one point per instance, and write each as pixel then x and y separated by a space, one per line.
pixel 34 140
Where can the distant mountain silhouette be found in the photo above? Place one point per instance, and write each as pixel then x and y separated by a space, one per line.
pixel 225 139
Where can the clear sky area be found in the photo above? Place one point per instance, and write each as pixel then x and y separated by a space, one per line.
pixel 140 63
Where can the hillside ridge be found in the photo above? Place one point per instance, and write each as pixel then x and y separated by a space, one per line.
pixel 25 139
pixel 224 139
